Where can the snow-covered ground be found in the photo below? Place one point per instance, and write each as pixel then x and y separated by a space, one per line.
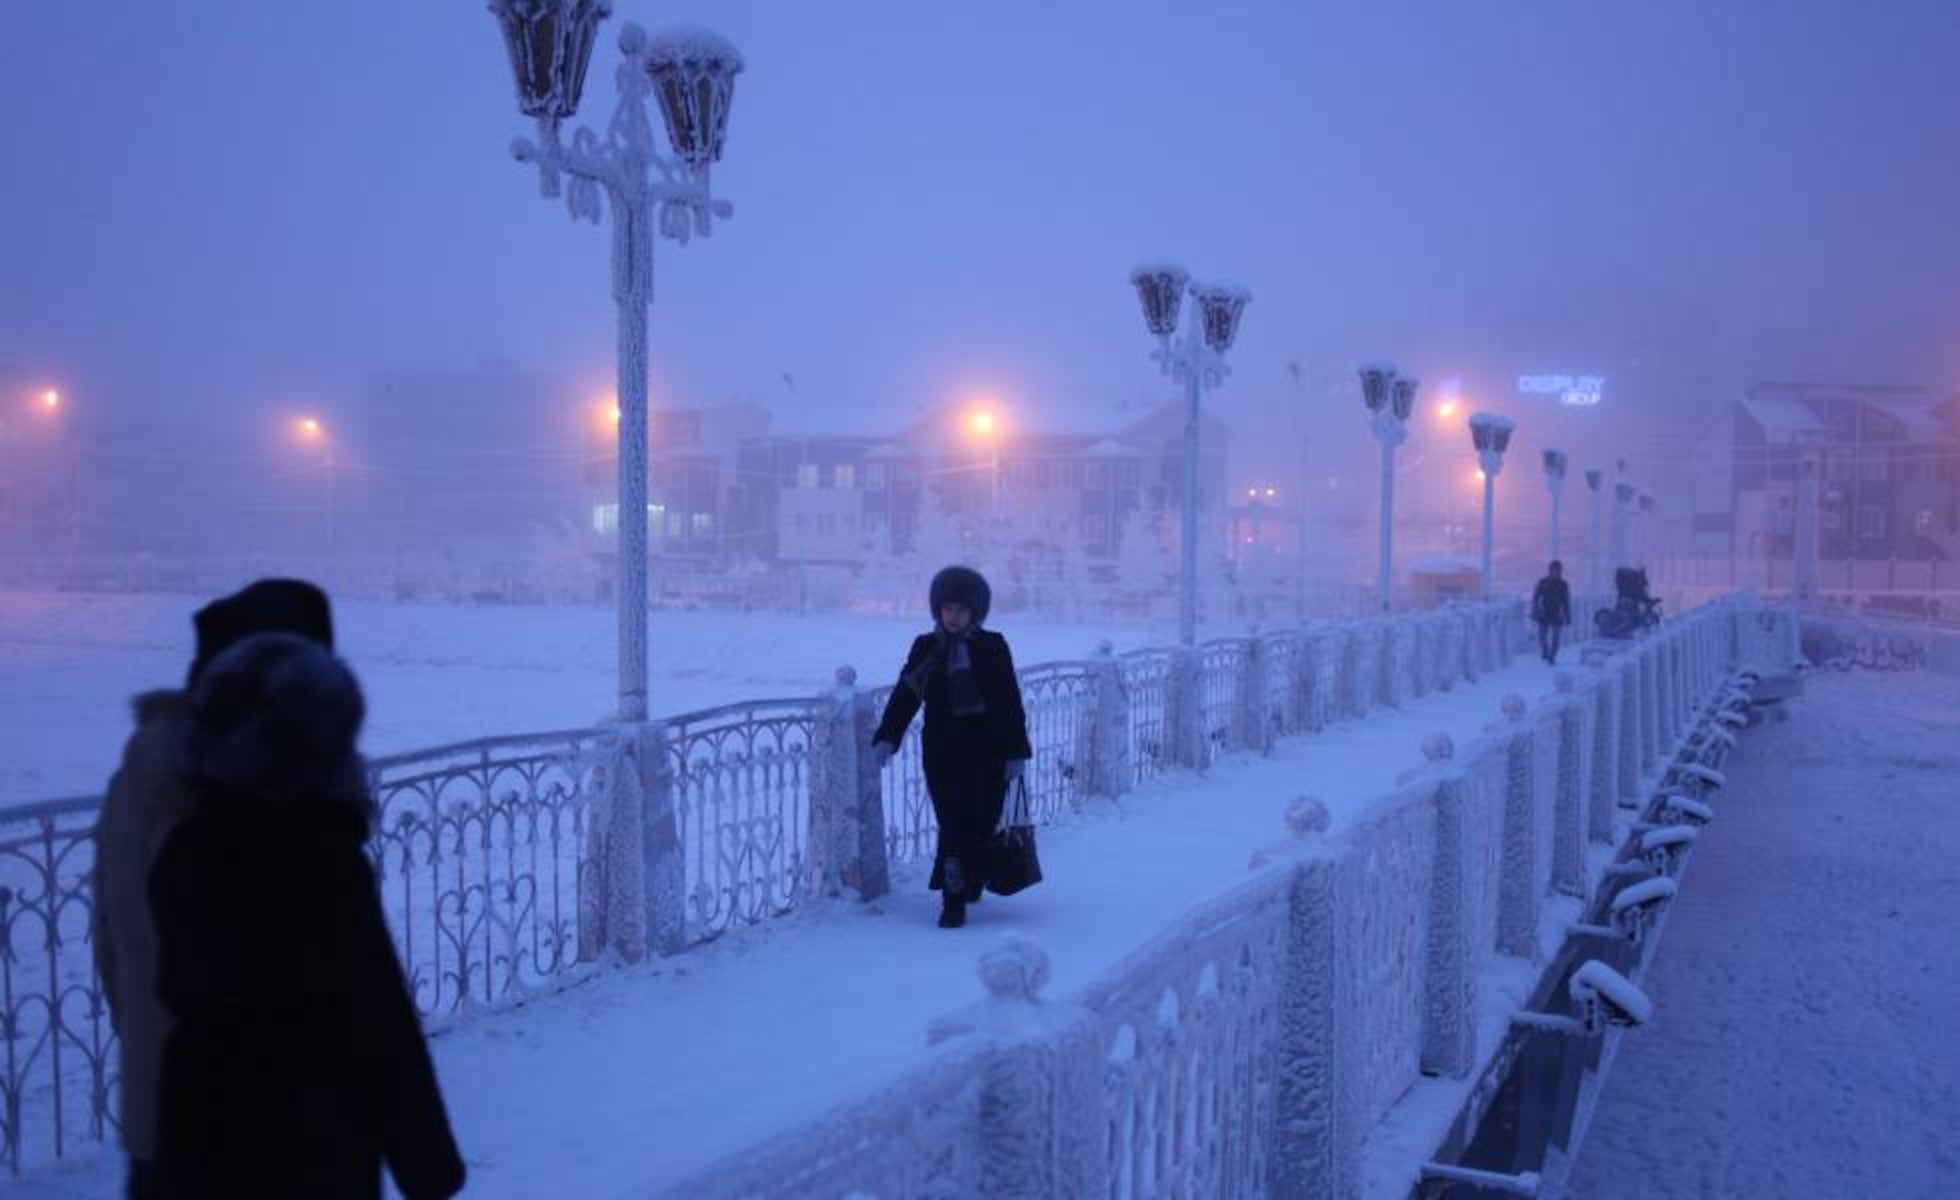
pixel 435 673
pixel 1807 1038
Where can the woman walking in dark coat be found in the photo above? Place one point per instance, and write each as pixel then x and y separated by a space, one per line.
pixel 976 733
pixel 296 1066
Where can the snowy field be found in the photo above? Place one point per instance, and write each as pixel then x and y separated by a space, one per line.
pixel 1807 1040
pixel 436 673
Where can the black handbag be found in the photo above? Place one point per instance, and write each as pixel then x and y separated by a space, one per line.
pixel 1012 861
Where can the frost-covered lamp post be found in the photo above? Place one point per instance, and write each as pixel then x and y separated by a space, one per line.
pixel 1804 581
pixel 1491 435
pixel 1643 541
pixel 1555 480
pixel 1390 399
pixel 1198 363
pixel 1593 479
pixel 690 75
pixel 1622 501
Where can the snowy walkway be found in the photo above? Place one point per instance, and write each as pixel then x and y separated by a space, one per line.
pixel 1807 1040
pixel 642 1076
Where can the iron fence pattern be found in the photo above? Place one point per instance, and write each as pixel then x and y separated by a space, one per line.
pixel 57 1077
pixel 741 777
pixel 1147 677
pixel 1219 665
pixel 480 849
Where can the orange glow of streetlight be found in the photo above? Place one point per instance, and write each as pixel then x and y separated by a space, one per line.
pixel 1446 409
pixel 51 399
pixel 1477 474
pixel 981 423
pixel 311 429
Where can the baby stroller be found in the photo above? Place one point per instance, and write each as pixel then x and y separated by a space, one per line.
pixel 1634 611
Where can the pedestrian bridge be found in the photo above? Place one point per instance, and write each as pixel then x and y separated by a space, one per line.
pixel 1296 884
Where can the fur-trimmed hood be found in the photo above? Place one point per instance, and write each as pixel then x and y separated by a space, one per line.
pixel 276 717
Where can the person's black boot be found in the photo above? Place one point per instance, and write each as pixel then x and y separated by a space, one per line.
pixel 952 911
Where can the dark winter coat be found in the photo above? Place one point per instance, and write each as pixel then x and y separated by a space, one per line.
pixel 151 792
pixel 1551 602
pixel 297 1065
pixel 1005 720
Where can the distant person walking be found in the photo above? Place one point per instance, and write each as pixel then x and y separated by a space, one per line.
pixel 1551 608
pixel 296 1066
pixel 149 794
pixel 976 732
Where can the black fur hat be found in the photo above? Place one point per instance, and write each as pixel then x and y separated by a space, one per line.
pixel 961 585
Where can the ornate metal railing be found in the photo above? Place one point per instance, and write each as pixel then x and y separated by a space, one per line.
pixel 500 867
pixel 1147 677
pixel 741 788
pixel 57 1076
pixel 482 852
pixel 1060 702
pixel 1219 665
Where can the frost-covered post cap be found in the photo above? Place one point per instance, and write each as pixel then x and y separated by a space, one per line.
pixel 847 676
pixel 1306 815
pixel 1438 748
pixel 1013 970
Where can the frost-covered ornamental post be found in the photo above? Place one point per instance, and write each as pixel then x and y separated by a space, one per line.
pixel 1390 399
pixel 1198 363
pixel 1491 435
pixel 1622 501
pixel 1593 478
pixel 690 73
pixel 1555 481
pixel 1643 540
pixel 1804 581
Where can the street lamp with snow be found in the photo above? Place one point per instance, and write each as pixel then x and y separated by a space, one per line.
pixel 1555 481
pixel 689 76
pixel 1593 478
pixel 1390 398
pixel 1491 435
pixel 1198 363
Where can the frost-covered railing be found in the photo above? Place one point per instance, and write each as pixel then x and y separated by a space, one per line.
pixel 1249 1049
pixel 481 853
pixel 507 865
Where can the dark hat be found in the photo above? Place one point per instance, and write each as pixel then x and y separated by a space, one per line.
pixel 961 585
pixel 278 715
pixel 267 606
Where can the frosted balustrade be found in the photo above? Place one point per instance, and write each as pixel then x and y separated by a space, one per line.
pixel 510 865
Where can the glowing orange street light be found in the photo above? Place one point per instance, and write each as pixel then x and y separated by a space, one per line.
pixel 981 423
pixel 50 399
pixel 1446 409
pixel 310 428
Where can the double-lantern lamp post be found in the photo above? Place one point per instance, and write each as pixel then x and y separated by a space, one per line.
pixel 690 76
pixel 1555 481
pixel 1491 435
pixel 1390 399
pixel 1198 362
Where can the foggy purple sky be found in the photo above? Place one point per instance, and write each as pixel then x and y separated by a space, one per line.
pixel 227 206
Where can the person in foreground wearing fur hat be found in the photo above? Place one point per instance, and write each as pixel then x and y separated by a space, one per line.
pixel 976 732
pixel 151 792
pixel 295 1065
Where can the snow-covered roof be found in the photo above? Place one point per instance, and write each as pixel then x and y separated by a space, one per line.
pixel 1784 418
